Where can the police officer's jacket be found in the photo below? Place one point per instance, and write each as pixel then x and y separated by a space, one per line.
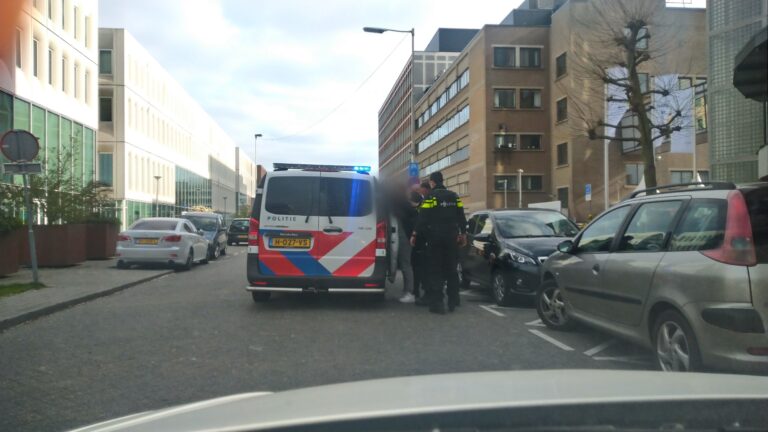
pixel 441 210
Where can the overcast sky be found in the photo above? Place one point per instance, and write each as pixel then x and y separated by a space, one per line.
pixel 278 67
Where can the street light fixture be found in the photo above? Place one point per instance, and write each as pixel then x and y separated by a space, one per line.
pixel 256 174
pixel 157 195
pixel 412 31
pixel 520 188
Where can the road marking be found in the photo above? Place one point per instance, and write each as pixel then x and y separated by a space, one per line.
pixel 495 312
pixel 634 360
pixel 594 350
pixel 551 340
pixel 536 323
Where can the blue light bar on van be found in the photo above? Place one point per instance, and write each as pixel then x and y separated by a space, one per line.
pixel 362 169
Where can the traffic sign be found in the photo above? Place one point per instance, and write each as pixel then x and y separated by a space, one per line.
pixel 588 192
pixel 413 169
pixel 23 168
pixel 19 145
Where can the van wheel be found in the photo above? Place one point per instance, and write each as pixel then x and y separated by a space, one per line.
pixel 550 307
pixel 675 342
pixel 260 296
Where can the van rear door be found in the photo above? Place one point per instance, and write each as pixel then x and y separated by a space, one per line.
pixel 288 229
pixel 347 225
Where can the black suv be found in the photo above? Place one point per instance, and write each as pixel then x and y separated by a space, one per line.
pixel 238 231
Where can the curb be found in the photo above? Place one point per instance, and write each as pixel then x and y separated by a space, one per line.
pixel 48 310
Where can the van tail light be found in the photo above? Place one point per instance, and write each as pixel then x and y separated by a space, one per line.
pixel 172 238
pixel 253 232
pixel 738 246
pixel 123 237
pixel 381 236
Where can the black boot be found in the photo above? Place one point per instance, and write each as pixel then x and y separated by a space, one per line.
pixel 437 308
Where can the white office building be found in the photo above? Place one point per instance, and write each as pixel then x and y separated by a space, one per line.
pixel 160 152
pixel 48 82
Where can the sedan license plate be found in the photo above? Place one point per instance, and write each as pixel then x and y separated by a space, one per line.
pixel 242 236
pixel 290 242
pixel 146 241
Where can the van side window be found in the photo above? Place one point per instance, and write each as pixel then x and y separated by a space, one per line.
pixel 649 227
pixel 702 227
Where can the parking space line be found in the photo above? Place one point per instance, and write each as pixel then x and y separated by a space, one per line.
pixel 495 312
pixel 536 323
pixel 551 340
pixel 594 350
pixel 635 360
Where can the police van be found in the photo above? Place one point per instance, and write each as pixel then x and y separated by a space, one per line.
pixel 319 228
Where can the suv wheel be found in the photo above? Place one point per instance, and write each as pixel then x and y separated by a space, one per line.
pixel 464 282
pixel 261 296
pixel 676 346
pixel 499 288
pixel 550 307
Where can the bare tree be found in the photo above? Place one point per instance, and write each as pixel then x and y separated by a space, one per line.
pixel 620 44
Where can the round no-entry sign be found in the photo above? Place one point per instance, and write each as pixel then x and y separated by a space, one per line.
pixel 19 145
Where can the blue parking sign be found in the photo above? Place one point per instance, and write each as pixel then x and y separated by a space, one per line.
pixel 413 169
pixel 588 192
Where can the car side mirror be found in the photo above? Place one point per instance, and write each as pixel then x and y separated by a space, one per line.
pixel 200 233
pixel 565 247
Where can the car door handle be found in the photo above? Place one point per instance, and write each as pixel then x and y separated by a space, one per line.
pixel 596 268
pixel 333 229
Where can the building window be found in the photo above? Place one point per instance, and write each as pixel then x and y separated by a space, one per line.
pixel 35 51
pixel 105 109
pixel 105 62
pixel 700 108
pixel 105 169
pixel 50 66
pixel 562 196
pixel 18 48
pixel 504 98
pixel 530 142
pixel 87 87
pixel 530 98
pixel 634 173
pixel 64 74
pixel 88 31
pixel 531 183
pixel 561 67
pixel 63 15
pixel 76 87
pixel 504 57
pixel 506 141
pixel 641 43
pixel 530 57
pixel 562 109
pixel 562 154
pixel 75 19
pixel 49 6
pixel 678 177
pixel 643 78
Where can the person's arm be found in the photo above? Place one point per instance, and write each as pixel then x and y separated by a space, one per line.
pixel 422 221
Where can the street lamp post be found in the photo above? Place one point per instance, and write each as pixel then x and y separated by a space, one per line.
pixel 256 174
pixel 157 195
pixel 411 104
pixel 520 188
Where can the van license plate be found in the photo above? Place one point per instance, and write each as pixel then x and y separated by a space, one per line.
pixel 290 242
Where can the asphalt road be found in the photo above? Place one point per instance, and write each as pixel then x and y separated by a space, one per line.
pixel 197 335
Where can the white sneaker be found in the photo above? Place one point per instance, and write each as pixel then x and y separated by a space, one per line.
pixel 407 298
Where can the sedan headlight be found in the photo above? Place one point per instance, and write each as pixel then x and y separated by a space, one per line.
pixel 520 258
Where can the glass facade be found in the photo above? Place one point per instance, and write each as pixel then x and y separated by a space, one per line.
pixel 735 122
pixel 60 139
pixel 192 189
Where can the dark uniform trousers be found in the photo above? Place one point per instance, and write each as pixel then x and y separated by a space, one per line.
pixel 443 255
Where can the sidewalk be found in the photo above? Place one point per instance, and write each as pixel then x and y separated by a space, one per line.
pixel 66 287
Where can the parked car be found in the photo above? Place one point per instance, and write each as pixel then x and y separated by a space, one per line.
pixel 683 272
pixel 161 240
pixel 214 230
pixel 238 231
pixel 317 228
pixel 505 249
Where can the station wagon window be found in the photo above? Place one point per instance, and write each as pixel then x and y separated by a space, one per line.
pixel 345 197
pixel 599 236
pixel 291 195
pixel 649 227
pixel 702 227
pixel 472 225
pixel 481 219
pixel 188 228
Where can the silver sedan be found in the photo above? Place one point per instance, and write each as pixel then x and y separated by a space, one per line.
pixel 173 241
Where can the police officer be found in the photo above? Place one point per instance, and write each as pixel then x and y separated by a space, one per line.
pixel 442 222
